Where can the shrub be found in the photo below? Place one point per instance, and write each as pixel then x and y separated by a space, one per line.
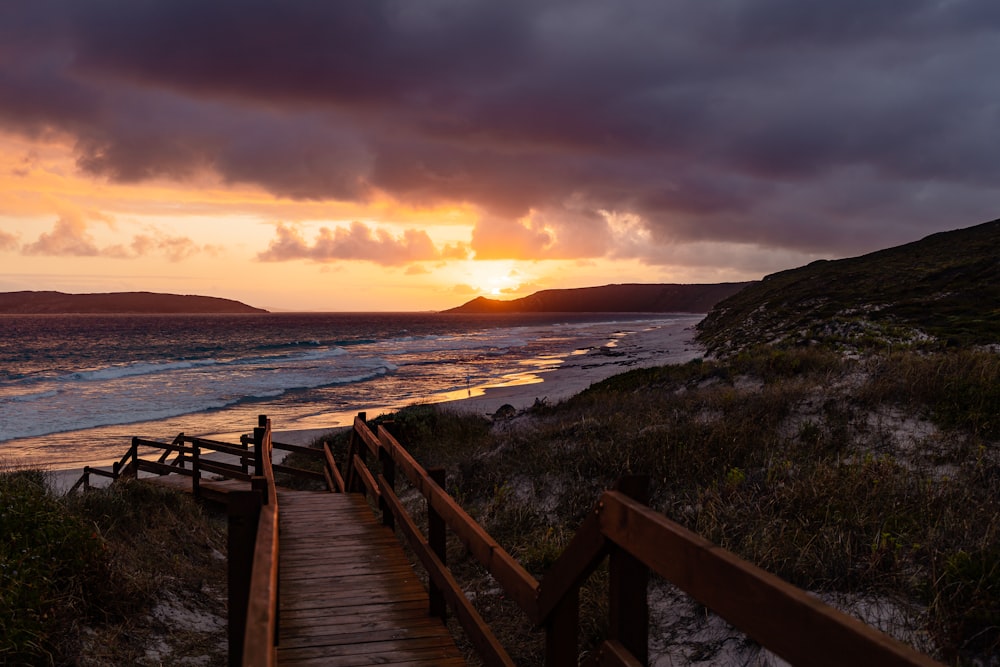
pixel 53 567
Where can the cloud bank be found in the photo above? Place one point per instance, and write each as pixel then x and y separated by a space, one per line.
pixel 792 125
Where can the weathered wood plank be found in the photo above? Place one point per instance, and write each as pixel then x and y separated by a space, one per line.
pixel 362 661
pixel 401 610
pixel 515 580
pixel 349 596
pixel 350 634
pixel 797 627
pixel 437 646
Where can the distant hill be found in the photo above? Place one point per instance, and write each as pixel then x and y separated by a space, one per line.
pixel 945 286
pixel 665 298
pixel 41 303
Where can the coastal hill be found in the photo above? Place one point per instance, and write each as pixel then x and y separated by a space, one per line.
pixel 945 286
pixel 52 303
pixel 664 298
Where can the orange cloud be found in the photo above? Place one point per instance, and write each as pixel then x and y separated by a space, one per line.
pixel 69 237
pixel 500 238
pixel 176 248
pixel 358 242
pixel 7 241
pixel 570 232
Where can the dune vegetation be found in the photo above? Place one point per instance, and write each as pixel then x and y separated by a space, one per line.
pixel 874 482
pixel 93 579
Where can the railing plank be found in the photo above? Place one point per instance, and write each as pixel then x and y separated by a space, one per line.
pixel 178 440
pixel 102 473
pixel 367 437
pixel 298 449
pixel 224 469
pixel 331 468
pixel 262 606
pixel 299 472
pixel 479 633
pixel 162 468
pixel 515 580
pixel 577 561
pixel 365 475
pixel 223 447
pixel 796 626
pixel 164 445
pixel 258 644
pixel 628 579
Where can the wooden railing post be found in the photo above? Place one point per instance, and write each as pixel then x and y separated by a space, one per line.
pixel 350 479
pixel 389 474
pixel 134 456
pixel 562 631
pixel 362 453
pixel 196 469
pixel 258 447
pixel 437 539
pixel 245 458
pixel 243 509
pixel 629 580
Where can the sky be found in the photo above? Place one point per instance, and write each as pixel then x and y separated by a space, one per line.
pixel 409 155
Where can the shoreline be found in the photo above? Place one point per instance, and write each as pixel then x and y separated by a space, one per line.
pixel 658 346
pixel 551 381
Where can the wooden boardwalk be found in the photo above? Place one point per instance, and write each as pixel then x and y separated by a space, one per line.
pixel 348 594
pixel 332 585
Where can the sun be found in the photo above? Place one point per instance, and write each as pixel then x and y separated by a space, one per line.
pixel 492 278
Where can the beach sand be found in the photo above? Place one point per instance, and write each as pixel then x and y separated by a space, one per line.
pixel 542 380
pixel 671 344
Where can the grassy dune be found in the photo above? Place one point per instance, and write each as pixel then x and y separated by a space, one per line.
pixel 851 477
pixel 90 579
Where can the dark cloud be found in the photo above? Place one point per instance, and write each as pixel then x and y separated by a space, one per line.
pixel 783 123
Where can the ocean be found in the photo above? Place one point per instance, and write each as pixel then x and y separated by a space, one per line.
pixel 74 389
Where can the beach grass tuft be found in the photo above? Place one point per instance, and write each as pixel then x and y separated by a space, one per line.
pixel 77 573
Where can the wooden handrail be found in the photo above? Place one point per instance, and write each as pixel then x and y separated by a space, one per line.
pixel 298 449
pixel 217 445
pixel 512 577
pixel 369 439
pixel 262 608
pixel 793 624
pixel 782 618
pixel 479 633
pixel 335 481
pixel 579 559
